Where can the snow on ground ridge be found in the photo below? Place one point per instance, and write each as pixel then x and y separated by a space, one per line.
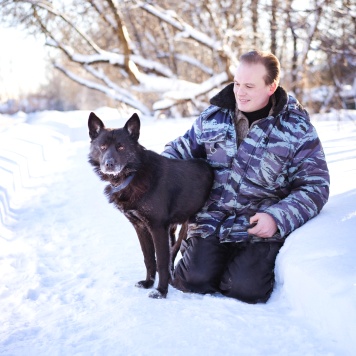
pixel 69 268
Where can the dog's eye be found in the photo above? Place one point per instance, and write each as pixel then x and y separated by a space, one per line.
pixel 120 147
pixel 103 147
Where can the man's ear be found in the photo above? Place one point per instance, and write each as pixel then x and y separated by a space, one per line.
pixel 273 87
pixel 132 126
pixel 95 125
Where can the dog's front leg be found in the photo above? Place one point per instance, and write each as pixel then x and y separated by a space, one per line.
pixel 148 251
pixel 162 246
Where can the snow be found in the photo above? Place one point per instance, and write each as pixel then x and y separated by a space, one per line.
pixel 69 261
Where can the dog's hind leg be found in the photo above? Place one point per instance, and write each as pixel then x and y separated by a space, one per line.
pixel 148 251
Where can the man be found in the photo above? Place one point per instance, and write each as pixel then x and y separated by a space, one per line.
pixel 270 178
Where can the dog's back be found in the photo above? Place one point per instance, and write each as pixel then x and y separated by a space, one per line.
pixel 184 186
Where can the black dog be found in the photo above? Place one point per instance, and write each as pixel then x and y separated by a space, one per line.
pixel 154 192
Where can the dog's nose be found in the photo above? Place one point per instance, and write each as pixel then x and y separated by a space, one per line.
pixel 109 163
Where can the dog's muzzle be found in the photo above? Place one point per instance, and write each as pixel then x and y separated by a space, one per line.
pixel 110 167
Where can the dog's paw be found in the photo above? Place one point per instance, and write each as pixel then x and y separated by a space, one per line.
pixel 144 284
pixel 156 294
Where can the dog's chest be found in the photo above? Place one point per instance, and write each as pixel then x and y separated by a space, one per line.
pixel 136 216
pixel 131 208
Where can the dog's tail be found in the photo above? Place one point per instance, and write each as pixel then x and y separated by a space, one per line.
pixel 176 244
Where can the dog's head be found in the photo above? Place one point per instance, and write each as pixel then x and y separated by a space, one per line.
pixel 115 151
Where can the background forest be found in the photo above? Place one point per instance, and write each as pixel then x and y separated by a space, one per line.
pixel 168 58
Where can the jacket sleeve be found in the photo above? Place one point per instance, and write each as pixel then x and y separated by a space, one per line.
pixel 309 180
pixel 188 145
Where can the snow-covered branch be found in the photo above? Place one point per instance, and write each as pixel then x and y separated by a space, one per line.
pixel 113 92
pixel 118 59
pixel 185 29
pixel 189 92
pixel 49 7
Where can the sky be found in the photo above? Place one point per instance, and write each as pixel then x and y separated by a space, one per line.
pixel 22 63
pixel 69 261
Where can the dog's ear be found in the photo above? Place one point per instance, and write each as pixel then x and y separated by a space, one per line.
pixel 133 126
pixel 95 126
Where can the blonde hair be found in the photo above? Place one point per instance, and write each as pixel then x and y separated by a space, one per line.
pixel 270 62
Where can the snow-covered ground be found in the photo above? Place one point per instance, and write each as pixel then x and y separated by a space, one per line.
pixel 69 260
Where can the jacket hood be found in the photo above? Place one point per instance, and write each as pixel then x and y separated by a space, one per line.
pixel 226 99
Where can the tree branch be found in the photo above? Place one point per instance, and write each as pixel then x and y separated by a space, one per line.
pixel 190 92
pixel 185 29
pixel 47 6
pixel 125 40
pixel 121 96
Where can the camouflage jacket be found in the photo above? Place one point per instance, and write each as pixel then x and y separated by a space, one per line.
pixel 276 166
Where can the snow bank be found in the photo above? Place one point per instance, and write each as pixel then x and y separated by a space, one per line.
pixel 317 270
pixel 317 263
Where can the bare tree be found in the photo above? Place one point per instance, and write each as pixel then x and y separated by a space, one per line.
pixel 164 55
pixel 274 25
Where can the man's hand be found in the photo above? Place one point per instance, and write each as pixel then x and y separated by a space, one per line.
pixel 265 225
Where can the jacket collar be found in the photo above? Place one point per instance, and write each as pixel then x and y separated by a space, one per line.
pixel 226 99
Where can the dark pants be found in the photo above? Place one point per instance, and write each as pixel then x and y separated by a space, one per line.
pixel 244 271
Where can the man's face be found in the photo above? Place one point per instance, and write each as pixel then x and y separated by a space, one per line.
pixel 250 89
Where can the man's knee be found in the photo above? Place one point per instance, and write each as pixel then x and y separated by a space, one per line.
pixel 248 291
pixel 193 280
pixel 249 276
pixel 201 266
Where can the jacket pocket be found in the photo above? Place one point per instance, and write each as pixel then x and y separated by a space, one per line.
pixel 269 166
pixel 217 147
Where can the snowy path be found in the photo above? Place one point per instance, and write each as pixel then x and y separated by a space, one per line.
pixel 69 262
